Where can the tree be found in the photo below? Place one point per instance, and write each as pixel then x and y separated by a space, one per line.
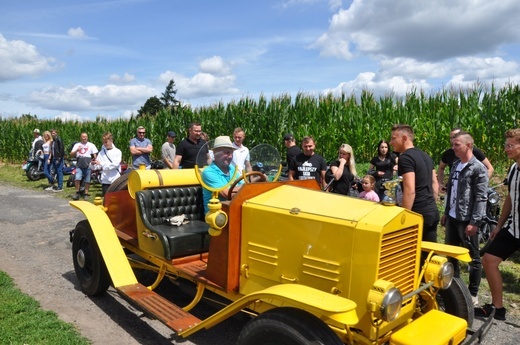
pixel 151 107
pixel 168 96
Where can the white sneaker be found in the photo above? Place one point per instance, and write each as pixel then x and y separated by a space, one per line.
pixel 50 188
pixel 474 299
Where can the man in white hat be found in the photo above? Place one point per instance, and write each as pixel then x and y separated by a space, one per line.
pixel 220 171
pixel 37 144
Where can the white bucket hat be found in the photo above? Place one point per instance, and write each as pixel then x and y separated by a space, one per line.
pixel 223 142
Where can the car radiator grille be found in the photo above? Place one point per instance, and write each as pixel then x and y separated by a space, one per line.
pixel 397 259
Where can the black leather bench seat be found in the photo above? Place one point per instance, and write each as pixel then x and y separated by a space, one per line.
pixel 156 205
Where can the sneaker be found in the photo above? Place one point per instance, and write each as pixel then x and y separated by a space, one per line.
pixel 487 309
pixel 75 196
pixel 474 299
pixel 86 196
pixel 57 190
pixel 50 188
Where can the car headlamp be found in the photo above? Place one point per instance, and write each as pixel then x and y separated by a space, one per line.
pixel 440 271
pixel 384 300
pixel 493 198
pixel 215 217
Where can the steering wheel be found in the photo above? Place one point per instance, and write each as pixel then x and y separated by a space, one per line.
pixel 234 184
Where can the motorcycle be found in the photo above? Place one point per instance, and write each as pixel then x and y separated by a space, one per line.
pixel 33 167
pixel 95 175
pixel 492 214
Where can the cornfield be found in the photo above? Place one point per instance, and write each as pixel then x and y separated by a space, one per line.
pixel 331 120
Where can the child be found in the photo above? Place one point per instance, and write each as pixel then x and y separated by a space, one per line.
pixel 368 193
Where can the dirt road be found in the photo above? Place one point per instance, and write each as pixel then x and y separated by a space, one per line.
pixel 35 251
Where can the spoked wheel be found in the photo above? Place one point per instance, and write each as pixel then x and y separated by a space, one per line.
pixel 287 326
pixel 88 263
pixel 456 300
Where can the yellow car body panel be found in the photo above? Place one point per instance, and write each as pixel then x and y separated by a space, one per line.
pixel 115 259
pixel 295 235
pixel 459 253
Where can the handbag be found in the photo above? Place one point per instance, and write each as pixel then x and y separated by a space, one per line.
pixel 83 162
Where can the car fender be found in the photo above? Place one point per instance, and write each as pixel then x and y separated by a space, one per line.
pixel 115 259
pixel 457 252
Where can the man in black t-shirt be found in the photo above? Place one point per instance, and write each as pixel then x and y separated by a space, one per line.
pixel 448 157
pixel 292 149
pixel 420 185
pixel 308 164
pixel 189 147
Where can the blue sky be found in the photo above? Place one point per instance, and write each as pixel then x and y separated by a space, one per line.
pixel 78 59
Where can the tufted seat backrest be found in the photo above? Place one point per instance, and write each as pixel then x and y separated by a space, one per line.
pixel 168 202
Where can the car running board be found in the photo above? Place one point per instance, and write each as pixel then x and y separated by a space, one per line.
pixel 159 307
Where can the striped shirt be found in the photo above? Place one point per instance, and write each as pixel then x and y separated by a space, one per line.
pixel 513 222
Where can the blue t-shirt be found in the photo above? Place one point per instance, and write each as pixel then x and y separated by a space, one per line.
pixel 145 157
pixel 214 177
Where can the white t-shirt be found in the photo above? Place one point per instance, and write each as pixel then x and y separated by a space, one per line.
pixel 240 157
pixel 85 150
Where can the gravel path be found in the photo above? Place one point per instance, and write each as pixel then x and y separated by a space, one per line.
pixel 35 251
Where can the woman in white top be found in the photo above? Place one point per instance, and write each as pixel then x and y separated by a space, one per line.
pixel 109 159
pixel 46 147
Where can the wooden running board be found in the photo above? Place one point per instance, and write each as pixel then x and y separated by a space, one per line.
pixel 159 307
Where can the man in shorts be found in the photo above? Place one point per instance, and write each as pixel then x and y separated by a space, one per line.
pixel 506 234
pixel 84 151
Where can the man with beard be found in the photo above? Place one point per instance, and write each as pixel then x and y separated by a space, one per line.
pixel 308 164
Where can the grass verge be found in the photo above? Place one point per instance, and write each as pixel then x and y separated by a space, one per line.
pixel 23 322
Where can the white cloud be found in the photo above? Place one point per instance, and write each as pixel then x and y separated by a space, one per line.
pixel 68 116
pixel 91 98
pixel 215 78
pixel 77 33
pixel 422 30
pixel 122 79
pixel 370 81
pixel 19 59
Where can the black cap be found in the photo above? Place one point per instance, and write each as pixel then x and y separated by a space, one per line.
pixel 172 134
pixel 288 137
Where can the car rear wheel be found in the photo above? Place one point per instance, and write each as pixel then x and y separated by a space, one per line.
pixel 287 326
pixel 121 183
pixel 89 265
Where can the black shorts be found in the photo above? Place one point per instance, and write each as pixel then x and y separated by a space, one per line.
pixel 504 244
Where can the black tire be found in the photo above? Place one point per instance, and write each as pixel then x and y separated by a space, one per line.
pixel 89 265
pixel 121 183
pixel 456 300
pixel 287 326
pixel 70 181
pixel 33 173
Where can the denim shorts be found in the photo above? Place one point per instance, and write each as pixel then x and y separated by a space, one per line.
pixel 83 172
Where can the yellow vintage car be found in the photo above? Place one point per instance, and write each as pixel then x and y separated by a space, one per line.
pixel 314 267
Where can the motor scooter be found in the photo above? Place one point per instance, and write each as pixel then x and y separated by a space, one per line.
pixel 33 166
pixel 491 217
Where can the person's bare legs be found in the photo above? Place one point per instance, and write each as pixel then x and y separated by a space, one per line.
pixel 494 278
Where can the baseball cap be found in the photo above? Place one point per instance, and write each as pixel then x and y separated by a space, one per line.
pixel 36 130
pixel 172 134
pixel 288 137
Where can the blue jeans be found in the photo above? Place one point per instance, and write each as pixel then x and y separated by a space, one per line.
pixel 47 169
pixel 58 167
